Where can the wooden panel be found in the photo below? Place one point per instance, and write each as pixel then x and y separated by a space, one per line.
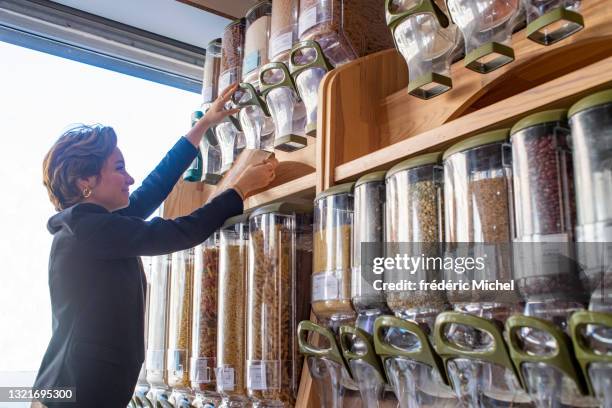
pixel 558 93
pixel 229 9
pixel 303 187
pixel 185 198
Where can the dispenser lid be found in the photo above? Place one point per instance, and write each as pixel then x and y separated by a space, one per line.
pixel 557 115
pixel 286 208
pixel 345 188
pixel 377 176
pixel 599 98
pixel 494 136
pixel 216 41
pixel 237 219
pixel 259 4
pixel 418 161
pixel 241 20
pixel 424 6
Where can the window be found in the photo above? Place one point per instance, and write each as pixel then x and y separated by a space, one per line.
pixel 41 95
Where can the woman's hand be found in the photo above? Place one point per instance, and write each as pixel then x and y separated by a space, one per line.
pixel 215 114
pixel 256 177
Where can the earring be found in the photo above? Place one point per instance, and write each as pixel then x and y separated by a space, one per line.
pixel 86 192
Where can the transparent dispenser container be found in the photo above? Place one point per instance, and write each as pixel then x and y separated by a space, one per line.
pixel 478 226
pixel 414 369
pixel 211 158
pixel 368 227
pixel 157 335
pixel 414 220
pixel 285 105
pixel 231 141
pixel 232 53
pixel 280 262
pixel 366 368
pixel 204 330
pixel 194 171
pixel 231 319
pixel 427 40
pixel 328 369
pixel 550 21
pixel 345 29
pixel 180 319
pixel 478 221
pixel 591 123
pixel 548 372
pixel 594 352
pixel 255 119
pixel 256 40
pixel 212 69
pixel 331 272
pixel 487 27
pixel 482 375
pixel 308 65
pixel 283 29
pixel 547 277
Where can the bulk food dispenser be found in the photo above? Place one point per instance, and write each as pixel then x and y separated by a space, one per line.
pixel 337 31
pixel 280 262
pixel 212 70
pixel 283 29
pixel 157 335
pixel 591 124
pixel 414 226
pixel 256 41
pixel 487 27
pixel 204 329
pixel 255 119
pixel 331 271
pixel 550 21
pixel 140 400
pixel 229 132
pixel 546 275
pixel 427 40
pixel 231 311
pixel 194 171
pixel 478 228
pixel 285 105
pixel 180 326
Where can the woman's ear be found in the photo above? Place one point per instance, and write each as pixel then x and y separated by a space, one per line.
pixel 88 182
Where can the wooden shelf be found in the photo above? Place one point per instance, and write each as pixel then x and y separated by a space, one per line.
pixel 558 93
pixel 301 188
pixel 229 9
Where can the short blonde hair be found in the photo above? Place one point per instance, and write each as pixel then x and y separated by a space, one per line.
pixel 79 153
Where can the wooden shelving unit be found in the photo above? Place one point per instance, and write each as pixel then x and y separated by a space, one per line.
pixel 368 121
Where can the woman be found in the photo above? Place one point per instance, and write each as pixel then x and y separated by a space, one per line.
pixel 95 277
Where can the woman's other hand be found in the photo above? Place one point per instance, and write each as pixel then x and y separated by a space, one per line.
pixel 215 115
pixel 256 177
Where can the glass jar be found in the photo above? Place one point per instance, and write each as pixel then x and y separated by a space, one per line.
pixel 280 260
pixel 331 272
pixel 255 119
pixel 308 65
pixel 591 123
pixel 157 335
pixel 232 53
pixel 368 230
pixel 212 69
pixel 414 219
pixel 427 40
pixel 550 21
pixel 180 319
pixel 285 105
pixel 414 369
pixel 478 223
pixel 487 27
pixel 545 215
pixel 283 29
pixel 204 330
pixel 345 29
pixel 231 308
pixel 194 171
pixel 256 40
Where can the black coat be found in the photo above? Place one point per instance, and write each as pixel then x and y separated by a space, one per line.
pixel 98 286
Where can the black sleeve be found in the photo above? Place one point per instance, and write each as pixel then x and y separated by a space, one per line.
pixel 112 236
pixel 160 182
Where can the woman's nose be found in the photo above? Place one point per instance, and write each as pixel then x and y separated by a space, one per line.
pixel 130 180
